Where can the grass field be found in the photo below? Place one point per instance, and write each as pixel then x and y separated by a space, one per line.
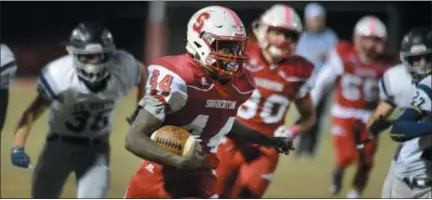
pixel 294 178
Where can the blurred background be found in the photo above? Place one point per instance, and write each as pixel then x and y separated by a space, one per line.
pixel 35 30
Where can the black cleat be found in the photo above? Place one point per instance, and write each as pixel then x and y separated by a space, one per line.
pixel 336 185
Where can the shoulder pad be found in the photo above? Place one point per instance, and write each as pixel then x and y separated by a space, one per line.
pixel 7 56
pixel 423 97
pixel 167 86
pixel 122 55
pixel 305 67
pixel 127 66
pixel 427 81
pixel 168 62
pixel 56 77
pixel 181 65
pixel 386 83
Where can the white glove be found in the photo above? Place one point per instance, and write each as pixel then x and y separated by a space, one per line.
pixel 284 131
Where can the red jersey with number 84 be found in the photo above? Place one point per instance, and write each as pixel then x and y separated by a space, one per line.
pixel 194 101
pixel 266 109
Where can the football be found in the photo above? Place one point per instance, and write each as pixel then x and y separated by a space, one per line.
pixel 174 139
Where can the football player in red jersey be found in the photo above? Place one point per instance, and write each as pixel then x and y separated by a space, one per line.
pixel 356 70
pixel 245 170
pixel 201 91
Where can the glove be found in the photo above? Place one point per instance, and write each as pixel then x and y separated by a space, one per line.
pixel 379 125
pixel 286 137
pixel 375 129
pixel 20 158
pixel 283 145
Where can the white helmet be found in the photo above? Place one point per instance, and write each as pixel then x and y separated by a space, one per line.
pixel 281 17
pixel 370 26
pixel 214 28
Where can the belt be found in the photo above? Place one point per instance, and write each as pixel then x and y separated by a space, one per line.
pixel 418 182
pixel 81 141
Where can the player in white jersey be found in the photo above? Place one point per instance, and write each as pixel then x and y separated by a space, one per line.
pixel 8 68
pixel 81 91
pixel 410 172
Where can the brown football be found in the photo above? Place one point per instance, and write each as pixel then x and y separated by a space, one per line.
pixel 174 139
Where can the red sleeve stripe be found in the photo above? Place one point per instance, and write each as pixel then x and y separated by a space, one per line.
pixel 162 100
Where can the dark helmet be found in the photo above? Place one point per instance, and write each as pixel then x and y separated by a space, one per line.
pixel 416 52
pixel 92 46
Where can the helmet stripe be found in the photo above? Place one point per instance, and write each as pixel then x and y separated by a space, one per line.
pixel 288 15
pixel 373 26
pixel 235 18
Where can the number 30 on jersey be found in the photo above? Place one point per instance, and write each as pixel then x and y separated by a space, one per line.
pixel 273 108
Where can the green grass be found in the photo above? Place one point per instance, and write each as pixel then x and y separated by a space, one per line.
pixel 293 179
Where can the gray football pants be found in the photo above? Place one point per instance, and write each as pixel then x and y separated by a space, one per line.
pixel 90 163
pixel 394 187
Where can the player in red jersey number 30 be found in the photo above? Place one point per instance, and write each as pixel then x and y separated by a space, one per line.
pixel 245 170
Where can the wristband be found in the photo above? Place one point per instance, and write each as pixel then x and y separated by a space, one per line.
pixel 294 130
pixel 17 149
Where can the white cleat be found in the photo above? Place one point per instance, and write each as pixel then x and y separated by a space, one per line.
pixel 353 194
pixel 334 190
